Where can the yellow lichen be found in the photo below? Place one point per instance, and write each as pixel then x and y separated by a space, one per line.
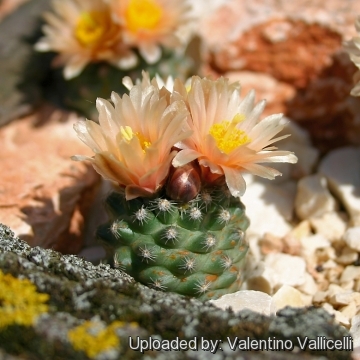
pixel 20 303
pixel 93 338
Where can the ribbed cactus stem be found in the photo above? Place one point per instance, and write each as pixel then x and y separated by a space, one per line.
pixel 196 248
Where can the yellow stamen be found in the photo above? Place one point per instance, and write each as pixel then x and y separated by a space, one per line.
pixel 143 14
pixel 127 134
pixel 91 27
pixel 227 136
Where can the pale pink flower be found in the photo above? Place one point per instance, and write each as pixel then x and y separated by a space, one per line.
pixel 150 24
pixel 134 138
pixel 81 32
pixel 228 138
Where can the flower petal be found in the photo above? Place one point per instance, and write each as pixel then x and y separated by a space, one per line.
pixel 234 181
pixel 184 157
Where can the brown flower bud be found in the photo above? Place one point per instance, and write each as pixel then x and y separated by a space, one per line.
pixel 184 183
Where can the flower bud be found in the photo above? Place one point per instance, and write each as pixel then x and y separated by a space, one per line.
pixel 184 183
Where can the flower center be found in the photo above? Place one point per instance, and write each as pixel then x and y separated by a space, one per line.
pixel 127 134
pixel 90 27
pixel 143 14
pixel 227 136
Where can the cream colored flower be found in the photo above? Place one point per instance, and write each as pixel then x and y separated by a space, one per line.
pixel 83 31
pixel 149 24
pixel 228 138
pixel 133 143
pixel 353 48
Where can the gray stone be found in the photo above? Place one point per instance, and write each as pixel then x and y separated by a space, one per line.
pixel 20 73
pixel 100 295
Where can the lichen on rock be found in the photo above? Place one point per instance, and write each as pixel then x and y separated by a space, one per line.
pixel 83 298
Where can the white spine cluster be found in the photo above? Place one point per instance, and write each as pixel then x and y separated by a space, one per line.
pixel 224 216
pixel 157 284
pixel 195 213
pixel 118 264
pixel 202 287
pixel 209 241
pixel 146 254
pixel 189 264
pixel 142 215
pixel 226 262
pixel 164 205
pixel 171 233
pixel 116 226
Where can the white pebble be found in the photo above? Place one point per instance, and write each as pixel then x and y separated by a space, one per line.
pixel 352 238
pixel 246 299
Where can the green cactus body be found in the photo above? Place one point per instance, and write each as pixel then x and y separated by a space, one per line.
pixel 196 249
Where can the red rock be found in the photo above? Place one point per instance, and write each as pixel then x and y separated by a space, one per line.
pixel 44 195
pixel 296 56
pixel 299 44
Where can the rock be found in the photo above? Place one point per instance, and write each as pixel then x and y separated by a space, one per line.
pixel 268 202
pixel 345 298
pixel 342 319
pixel 270 243
pixel 85 297
pixel 246 299
pixel 287 296
pixel 319 297
pixel 252 50
pixel 325 100
pixel 313 242
pixel 298 44
pixel 349 311
pixel 291 241
pixel 333 274
pixel 331 225
pixel 341 168
pixel 347 256
pixel 350 273
pixel 355 330
pixel 352 238
pixel 262 278
pixel 20 76
pixel 44 195
pixel 313 198
pixel 309 286
pixel 281 263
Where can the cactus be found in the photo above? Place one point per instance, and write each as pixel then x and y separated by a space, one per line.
pixel 177 153
pixel 196 248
